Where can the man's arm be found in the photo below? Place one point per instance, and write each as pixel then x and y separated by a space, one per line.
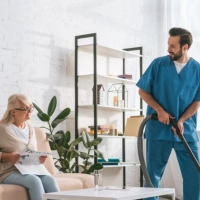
pixel 191 110
pixel 163 116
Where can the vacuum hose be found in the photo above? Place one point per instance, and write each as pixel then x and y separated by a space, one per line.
pixel 140 146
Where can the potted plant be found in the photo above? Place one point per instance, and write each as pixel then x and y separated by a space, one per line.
pixel 87 166
pixel 60 141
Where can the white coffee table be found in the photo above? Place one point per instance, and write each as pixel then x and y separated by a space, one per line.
pixel 110 194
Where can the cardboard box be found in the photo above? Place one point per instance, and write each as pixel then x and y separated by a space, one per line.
pixel 132 125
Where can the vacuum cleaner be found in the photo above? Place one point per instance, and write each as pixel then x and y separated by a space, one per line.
pixel 141 155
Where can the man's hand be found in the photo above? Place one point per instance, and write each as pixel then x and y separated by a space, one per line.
pixel 10 157
pixel 164 117
pixel 180 126
pixel 42 159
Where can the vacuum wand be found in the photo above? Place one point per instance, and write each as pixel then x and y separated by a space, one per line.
pixel 174 124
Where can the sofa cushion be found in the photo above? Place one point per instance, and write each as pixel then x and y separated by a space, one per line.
pixel 74 181
pixel 68 184
pixel 11 192
pixel 43 145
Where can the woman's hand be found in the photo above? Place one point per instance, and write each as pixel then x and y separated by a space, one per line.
pixel 42 159
pixel 10 157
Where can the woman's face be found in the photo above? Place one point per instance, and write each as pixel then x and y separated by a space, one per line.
pixel 23 112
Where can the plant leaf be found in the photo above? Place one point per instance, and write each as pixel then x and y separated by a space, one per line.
pixel 88 163
pixel 45 127
pixel 76 141
pixel 44 117
pixel 84 155
pixel 56 122
pixel 67 136
pixel 52 145
pixel 57 166
pixel 100 154
pixel 61 150
pixel 62 170
pixel 40 117
pixel 74 154
pixel 61 116
pixel 60 140
pixel 86 139
pixel 97 166
pixel 52 106
pixel 94 143
pixel 67 164
pixel 99 139
pixel 56 136
pixel 37 108
pixel 48 135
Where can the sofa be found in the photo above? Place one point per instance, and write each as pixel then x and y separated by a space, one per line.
pixel 66 181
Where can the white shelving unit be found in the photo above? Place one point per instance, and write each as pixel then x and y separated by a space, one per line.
pixel 95 78
pixel 114 108
pixel 108 51
pixel 108 79
pixel 123 164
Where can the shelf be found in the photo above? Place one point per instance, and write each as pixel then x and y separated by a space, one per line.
pixel 108 79
pixel 113 136
pixel 93 74
pixel 113 108
pixel 123 164
pixel 108 52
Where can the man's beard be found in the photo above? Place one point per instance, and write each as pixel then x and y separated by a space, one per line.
pixel 177 56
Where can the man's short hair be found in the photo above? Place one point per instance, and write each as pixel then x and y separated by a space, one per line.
pixel 185 36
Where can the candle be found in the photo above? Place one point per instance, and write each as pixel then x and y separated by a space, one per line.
pixel 115 100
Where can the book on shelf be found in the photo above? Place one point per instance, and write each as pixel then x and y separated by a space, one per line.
pixel 91 132
pixel 100 127
pixel 110 163
pixel 100 132
pixel 109 159
pixel 125 76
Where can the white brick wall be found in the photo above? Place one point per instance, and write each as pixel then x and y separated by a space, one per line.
pixel 37 44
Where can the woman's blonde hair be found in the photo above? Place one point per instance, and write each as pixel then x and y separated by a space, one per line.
pixel 14 102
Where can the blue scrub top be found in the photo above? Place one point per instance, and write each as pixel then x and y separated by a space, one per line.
pixel 174 92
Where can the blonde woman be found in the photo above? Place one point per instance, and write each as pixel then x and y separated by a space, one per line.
pixel 15 135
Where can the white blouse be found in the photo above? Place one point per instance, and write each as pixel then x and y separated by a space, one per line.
pixel 22 134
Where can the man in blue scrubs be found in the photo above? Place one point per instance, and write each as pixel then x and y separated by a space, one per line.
pixel 171 88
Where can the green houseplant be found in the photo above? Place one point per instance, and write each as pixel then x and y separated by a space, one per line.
pixel 60 141
pixel 89 144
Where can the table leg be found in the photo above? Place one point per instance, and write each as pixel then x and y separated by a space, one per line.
pixel 173 196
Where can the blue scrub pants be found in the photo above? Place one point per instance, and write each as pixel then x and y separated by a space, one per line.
pixel 37 185
pixel 157 154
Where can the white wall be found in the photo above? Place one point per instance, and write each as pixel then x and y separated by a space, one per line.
pixel 37 44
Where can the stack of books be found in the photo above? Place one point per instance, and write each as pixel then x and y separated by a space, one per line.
pixel 111 161
pixel 101 129
pixel 125 76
